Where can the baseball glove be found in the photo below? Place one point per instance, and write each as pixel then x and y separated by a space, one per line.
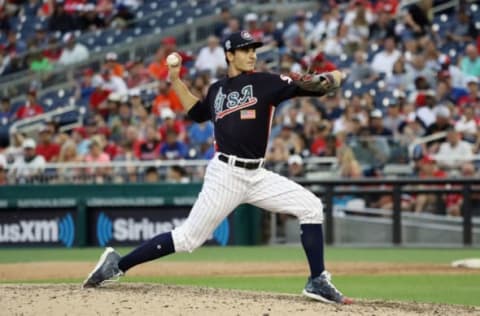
pixel 320 83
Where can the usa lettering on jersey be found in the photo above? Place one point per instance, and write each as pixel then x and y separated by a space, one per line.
pixel 226 104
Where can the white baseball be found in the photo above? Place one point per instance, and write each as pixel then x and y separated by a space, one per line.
pixel 173 60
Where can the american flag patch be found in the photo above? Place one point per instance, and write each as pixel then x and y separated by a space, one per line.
pixel 247 114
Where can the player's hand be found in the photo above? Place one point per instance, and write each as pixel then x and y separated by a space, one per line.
pixel 174 63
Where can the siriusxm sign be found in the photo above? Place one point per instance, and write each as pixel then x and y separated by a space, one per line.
pixel 36 231
pixel 131 229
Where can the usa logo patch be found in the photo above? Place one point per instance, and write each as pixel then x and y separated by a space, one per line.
pixel 248 114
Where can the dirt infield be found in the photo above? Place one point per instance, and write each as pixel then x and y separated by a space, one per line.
pixel 149 299
pixel 65 270
pixel 155 299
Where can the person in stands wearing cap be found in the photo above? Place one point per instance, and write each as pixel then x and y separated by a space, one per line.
pixel 114 83
pixel 46 146
pixel 376 125
pixel 166 98
pixel 98 97
pixel 169 123
pixel 30 108
pixel 29 167
pixel 112 64
pixel 73 52
pixel 252 26
pixel 320 64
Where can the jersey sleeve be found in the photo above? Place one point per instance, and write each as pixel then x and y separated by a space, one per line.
pixel 200 112
pixel 285 88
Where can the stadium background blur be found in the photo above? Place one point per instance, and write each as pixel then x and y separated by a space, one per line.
pixel 410 105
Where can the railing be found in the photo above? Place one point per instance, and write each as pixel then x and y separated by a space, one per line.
pixel 133 171
pixel 328 189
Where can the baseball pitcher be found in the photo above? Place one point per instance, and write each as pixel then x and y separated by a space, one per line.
pixel 241 107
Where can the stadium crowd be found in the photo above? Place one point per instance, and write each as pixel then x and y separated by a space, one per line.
pixel 405 82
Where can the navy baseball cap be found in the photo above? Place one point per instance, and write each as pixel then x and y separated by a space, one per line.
pixel 240 39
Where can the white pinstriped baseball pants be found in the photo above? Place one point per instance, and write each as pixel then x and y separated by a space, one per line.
pixel 226 186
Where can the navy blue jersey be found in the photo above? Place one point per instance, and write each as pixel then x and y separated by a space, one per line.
pixel 241 109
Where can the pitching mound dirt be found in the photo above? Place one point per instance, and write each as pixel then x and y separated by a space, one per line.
pixel 153 299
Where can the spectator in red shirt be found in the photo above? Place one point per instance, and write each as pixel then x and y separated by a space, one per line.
pixel 31 108
pixel 171 124
pixel 99 96
pixel 428 169
pixel 321 64
pixel 46 147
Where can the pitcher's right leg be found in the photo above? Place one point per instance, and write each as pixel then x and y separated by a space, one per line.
pixel 223 190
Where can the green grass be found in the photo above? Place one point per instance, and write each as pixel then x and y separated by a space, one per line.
pixel 453 289
pixel 446 289
pixel 244 254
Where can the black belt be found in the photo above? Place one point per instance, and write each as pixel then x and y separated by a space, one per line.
pixel 242 164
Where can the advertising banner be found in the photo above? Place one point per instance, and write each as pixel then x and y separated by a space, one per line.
pixel 37 227
pixel 130 226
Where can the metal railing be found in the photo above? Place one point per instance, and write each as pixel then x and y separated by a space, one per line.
pixel 328 189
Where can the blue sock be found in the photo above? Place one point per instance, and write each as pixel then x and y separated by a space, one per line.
pixel 159 246
pixel 312 241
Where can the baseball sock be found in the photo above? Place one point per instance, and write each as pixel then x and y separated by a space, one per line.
pixel 159 246
pixel 312 241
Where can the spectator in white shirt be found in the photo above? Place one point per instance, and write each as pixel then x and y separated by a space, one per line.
pixel 455 151
pixel 211 57
pixel 73 52
pixel 467 124
pixel 114 83
pixel 383 61
pixel 28 168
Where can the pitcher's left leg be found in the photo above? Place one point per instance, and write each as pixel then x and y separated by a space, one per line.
pixel 278 194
